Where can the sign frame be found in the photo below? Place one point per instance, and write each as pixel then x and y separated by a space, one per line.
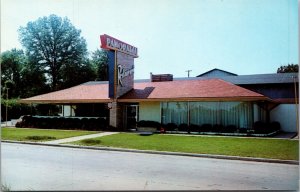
pixel 111 43
pixel 120 65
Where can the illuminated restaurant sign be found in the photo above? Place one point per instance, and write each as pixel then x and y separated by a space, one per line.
pixel 125 73
pixel 120 65
pixel 108 42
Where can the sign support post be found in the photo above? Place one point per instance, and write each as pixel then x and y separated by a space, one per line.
pixel 120 73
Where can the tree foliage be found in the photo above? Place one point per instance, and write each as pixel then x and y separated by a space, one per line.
pixel 12 63
pixel 19 76
pixel 53 43
pixel 100 64
pixel 15 109
pixel 33 81
pixel 76 74
pixel 55 58
pixel 290 68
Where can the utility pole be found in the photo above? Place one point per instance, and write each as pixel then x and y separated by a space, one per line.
pixel 188 71
pixel 6 105
pixel 296 104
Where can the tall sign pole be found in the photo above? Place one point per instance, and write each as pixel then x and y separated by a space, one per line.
pixel 120 73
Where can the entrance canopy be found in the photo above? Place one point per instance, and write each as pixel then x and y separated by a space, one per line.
pixel 180 90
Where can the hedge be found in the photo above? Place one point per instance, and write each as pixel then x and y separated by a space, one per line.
pixel 144 123
pixel 259 127
pixel 99 123
pixel 91 124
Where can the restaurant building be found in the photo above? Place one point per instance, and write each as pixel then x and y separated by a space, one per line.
pixel 189 101
pixel 216 97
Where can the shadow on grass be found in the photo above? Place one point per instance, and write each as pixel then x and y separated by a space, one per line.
pixel 90 142
pixel 39 138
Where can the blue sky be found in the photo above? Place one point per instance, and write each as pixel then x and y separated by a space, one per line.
pixel 172 36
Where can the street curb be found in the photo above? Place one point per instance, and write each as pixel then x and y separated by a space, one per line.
pixel 292 162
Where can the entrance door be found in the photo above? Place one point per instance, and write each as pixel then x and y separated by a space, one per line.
pixel 131 116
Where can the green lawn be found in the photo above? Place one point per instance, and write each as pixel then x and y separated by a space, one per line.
pixel 19 134
pixel 245 147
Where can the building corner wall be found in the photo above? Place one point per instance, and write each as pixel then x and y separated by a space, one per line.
pixel 286 115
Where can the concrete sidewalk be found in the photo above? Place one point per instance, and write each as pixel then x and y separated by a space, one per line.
pixel 71 139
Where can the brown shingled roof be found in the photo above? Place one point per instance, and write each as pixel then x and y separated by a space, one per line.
pixel 84 93
pixel 211 89
pixel 198 90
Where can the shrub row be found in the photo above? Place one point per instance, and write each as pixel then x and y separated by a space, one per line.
pixel 92 124
pixel 148 124
pixel 258 127
pixel 262 127
pixel 201 128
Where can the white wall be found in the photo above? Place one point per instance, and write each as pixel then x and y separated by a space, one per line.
pixel 149 111
pixel 68 111
pixel 286 115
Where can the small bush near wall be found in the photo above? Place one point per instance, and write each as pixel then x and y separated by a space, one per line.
pixel 275 126
pixel 148 126
pixel 92 124
pixel 260 127
pixel 217 128
pixel 84 124
pixel 144 123
pixel 230 129
pixel 206 128
pixel 242 130
pixel 194 128
pixel 171 127
pixel 183 127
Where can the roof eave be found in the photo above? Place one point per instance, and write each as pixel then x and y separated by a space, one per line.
pixel 26 101
pixel 259 98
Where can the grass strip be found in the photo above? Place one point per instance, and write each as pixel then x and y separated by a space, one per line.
pixel 20 134
pixel 244 147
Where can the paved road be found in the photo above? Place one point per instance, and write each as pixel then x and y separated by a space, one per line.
pixel 32 167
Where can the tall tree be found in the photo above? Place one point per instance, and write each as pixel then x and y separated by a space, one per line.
pixel 100 64
pixel 22 78
pixel 33 81
pixel 74 74
pixel 53 42
pixel 290 68
pixel 12 63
